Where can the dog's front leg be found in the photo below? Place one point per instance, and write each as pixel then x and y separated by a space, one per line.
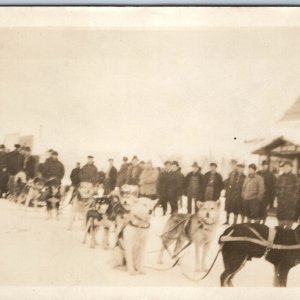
pixel 197 255
pixel 139 256
pixel 161 254
pixel 204 256
pixel 128 246
pixel 92 234
pixel 105 238
pixel 86 231
pixel 73 216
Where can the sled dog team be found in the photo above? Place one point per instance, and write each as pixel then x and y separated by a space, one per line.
pixel 126 219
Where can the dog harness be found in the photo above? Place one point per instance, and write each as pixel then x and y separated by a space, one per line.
pixel 259 240
pixel 131 223
pixel 201 225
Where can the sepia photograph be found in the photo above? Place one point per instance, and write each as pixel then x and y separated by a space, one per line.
pixel 150 147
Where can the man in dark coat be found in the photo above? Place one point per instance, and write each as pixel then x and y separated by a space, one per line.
pixel 89 172
pixel 4 176
pixel 212 184
pixel 269 196
pixel 15 160
pixel 134 172
pixel 123 173
pixel 287 189
pixel 29 164
pixel 3 170
pixel 101 176
pixel 110 178
pixel 192 186
pixel 15 165
pixel 175 186
pixel 3 158
pixel 53 168
pixel 41 165
pixel 75 179
pixel 163 182
pixel 234 186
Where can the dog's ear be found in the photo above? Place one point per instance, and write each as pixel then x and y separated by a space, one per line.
pixel 218 203
pixel 199 204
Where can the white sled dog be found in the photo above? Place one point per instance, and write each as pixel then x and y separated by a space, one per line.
pixel 131 242
pixel 198 228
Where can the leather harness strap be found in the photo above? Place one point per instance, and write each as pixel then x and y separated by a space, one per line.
pixel 269 244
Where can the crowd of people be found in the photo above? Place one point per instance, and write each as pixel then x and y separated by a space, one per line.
pixel 248 196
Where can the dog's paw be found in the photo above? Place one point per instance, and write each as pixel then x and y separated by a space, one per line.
pixel 141 272
pixel 133 273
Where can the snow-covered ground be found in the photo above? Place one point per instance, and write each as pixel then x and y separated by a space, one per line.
pixel 36 251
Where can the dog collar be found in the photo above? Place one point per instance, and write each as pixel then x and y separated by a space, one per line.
pixel 146 226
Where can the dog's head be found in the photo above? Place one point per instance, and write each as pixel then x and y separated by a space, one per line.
pixel 38 183
pixel 129 190
pixel 209 211
pixel 102 204
pixel 142 208
pixel 86 190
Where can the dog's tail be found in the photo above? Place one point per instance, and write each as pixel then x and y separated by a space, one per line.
pixel 210 268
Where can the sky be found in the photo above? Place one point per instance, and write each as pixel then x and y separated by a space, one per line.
pixel 176 90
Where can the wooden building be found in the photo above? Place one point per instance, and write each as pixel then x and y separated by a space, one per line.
pixel 279 149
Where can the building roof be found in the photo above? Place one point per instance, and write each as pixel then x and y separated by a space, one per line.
pixel 293 113
pixel 283 146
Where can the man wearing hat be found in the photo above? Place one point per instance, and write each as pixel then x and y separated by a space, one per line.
pixel 148 181
pixel 53 168
pixel 29 164
pixel 287 192
pixel 212 184
pixel 89 172
pixel 134 172
pixel 163 183
pixel 110 177
pixel 269 196
pixel 175 186
pixel 234 185
pixel 252 193
pixel 192 186
pixel 15 165
pixel 123 173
